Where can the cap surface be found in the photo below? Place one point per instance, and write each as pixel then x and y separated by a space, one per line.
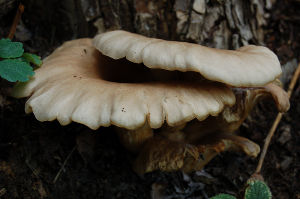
pixel 248 66
pixel 68 87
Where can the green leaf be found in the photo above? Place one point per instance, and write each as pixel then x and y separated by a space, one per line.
pixel 15 70
pixel 32 58
pixel 223 196
pixel 257 190
pixel 9 49
pixel 22 59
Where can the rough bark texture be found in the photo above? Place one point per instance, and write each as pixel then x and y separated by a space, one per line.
pixel 223 24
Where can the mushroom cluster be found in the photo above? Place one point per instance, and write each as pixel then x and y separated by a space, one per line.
pixel 174 104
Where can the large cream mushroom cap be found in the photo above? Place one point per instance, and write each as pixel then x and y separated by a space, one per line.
pixel 248 66
pixel 68 87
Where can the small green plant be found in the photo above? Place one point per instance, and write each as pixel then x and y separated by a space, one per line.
pixel 223 196
pixel 14 63
pixel 255 189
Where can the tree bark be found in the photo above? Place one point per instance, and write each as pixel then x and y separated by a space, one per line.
pixel 225 24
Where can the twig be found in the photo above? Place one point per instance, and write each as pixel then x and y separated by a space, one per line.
pixel 276 122
pixel 63 165
pixel 16 21
pixel 204 194
pixel 32 169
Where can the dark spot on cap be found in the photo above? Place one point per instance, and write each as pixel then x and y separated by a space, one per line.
pixel 75 76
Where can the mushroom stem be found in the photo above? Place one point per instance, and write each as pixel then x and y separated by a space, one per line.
pixel 226 142
pixel 238 143
pixel 134 139
pixel 160 153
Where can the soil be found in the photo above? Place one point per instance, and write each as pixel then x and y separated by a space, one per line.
pixel 46 160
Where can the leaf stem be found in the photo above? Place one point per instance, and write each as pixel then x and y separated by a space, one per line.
pixel 16 21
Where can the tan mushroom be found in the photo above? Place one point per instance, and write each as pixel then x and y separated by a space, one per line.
pixel 248 66
pixel 175 104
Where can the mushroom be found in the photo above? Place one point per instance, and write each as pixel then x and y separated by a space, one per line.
pixel 174 104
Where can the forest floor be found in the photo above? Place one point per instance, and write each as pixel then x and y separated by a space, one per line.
pixel 46 160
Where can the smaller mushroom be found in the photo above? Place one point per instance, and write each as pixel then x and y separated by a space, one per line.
pixel 175 104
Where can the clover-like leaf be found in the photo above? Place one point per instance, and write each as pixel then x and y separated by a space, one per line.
pixel 223 196
pixel 32 58
pixel 9 49
pixel 15 70
pixel 257 190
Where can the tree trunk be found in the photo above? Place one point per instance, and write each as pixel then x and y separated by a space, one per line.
pixel 225 24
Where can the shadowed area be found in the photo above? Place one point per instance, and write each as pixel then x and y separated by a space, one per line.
pixel 124 71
